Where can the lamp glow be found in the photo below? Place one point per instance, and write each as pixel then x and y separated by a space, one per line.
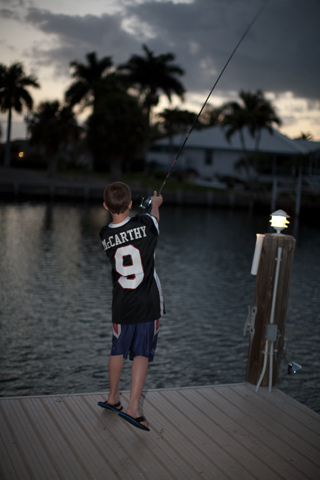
pixel 279 221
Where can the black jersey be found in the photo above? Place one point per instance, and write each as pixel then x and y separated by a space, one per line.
pixel 130 247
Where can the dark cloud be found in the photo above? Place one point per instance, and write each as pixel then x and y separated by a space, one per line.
pixel 280 53
pixel 9 14
pixel 77 35
pixel 12 4
pixel 88 29
pixel 6 13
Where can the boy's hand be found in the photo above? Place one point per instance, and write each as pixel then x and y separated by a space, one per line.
pixel 157 199
pixel 156 202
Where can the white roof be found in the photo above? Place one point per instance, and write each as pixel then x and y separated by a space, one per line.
pixel 214 138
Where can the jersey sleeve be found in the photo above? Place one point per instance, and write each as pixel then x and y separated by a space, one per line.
pixel 150 221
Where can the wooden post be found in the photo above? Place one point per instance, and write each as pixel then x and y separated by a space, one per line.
pixel 263 302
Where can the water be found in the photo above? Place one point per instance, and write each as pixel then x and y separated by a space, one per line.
pixel 56 295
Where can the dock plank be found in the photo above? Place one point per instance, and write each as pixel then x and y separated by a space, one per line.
pixel 289 426
pixel 232 435
pixel 177 431
pixel 144 451
pixel 216 432
pixel 90 460
pixel 101 422
pixel 259 428
pixel 205 436
pixel 9 459
pixel 284 448
pixel 102 434
pixel 53 438
pixel 33 459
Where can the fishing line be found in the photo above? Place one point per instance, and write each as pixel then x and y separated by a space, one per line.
pixel 253 21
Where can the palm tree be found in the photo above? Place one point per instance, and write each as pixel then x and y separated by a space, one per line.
pixel 211 116
pixel 90 81
pixel 116 132
pixel 235 119
pixel 260 114
pixel 52 127
pixel 151 74
pixel 93 82
pixel 14 95
pixel 305 136
pixel 254 113
pixel 175 121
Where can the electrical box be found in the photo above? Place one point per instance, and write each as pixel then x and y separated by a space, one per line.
pixel 272 332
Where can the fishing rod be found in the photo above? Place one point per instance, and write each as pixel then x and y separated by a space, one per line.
pixel 146 204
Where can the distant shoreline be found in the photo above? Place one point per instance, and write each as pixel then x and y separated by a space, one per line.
pixel 23 184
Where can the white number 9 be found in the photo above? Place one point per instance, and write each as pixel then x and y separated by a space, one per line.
pixel 135 269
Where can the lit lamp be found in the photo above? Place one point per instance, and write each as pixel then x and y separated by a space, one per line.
pixel 279 221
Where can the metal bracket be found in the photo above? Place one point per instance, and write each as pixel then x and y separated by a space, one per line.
pixel 249 325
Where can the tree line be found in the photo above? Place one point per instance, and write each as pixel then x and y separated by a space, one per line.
pixel 121 100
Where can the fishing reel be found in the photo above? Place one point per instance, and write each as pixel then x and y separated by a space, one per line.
pixel 146 204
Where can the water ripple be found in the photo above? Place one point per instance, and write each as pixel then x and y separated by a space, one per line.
pixel 55 297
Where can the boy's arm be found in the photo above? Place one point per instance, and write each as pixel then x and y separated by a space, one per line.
pixel 156 202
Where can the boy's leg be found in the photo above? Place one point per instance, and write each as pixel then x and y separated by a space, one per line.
pixel 138 376
pixel 115 370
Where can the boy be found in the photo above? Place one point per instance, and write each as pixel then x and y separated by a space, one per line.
pixel 137 302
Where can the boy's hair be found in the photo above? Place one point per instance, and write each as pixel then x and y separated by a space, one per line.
pixel 117 197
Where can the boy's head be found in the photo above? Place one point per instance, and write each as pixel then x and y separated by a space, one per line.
pixel 117 197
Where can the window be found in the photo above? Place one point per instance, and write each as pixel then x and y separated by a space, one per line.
pixel 208 157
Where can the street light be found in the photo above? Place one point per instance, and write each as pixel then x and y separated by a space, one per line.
pixel 279 221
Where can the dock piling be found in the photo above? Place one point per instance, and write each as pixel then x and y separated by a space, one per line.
pixel 270 303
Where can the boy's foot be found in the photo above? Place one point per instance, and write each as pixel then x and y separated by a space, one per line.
pixel 116 407
pixel 139 422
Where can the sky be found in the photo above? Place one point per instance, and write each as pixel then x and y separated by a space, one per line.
pixel 280 55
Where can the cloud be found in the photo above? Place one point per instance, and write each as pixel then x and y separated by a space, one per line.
pixel 279 54
pixel 71 37
pixel 88 29
pixel 7 13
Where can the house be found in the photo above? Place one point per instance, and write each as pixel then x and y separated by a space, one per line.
pixel 210 156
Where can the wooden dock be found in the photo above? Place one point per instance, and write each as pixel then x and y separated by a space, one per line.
pixel 216 432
